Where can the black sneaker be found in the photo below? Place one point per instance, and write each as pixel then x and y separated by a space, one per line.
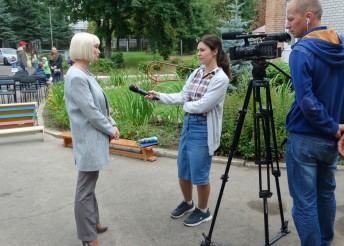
pixel 182 209
pixel 197 217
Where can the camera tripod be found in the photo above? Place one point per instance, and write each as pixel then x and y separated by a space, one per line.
pixel 265 150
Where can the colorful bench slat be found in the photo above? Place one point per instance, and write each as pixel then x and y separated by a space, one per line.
pixel 9 116
pixel 19 118
pixel 17 124
pixel 11 108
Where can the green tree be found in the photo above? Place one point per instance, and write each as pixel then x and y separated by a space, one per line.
pixel 239 68
pixel 27 17
pixel 107 15
pixel 32 22
pixel 247 11
pixel 62 32
pixel 6 23
pixel 164 22
pixel 165 18
pixel 161 21
pixel 196 25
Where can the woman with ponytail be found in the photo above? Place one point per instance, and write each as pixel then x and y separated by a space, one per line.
pixel 202 98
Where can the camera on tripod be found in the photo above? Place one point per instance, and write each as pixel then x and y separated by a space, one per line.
pixel 263 46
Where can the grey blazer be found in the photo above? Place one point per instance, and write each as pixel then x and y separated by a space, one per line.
pixel 90 122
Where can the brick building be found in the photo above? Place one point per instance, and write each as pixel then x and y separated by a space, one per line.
pixel 333 14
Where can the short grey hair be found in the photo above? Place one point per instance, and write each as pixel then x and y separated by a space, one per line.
pixel 81 46
pixel 304 6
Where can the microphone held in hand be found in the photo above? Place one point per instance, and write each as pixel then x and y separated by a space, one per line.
pixel 135 89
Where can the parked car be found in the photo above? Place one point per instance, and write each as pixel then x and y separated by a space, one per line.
pixel 6 55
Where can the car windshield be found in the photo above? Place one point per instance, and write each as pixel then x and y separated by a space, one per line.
pixel 9 51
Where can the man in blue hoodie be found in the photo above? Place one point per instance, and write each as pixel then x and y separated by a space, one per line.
pixel 314 122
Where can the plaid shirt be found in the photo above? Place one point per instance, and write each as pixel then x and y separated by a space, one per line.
pixel 199 84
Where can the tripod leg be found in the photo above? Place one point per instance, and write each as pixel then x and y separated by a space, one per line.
pixel 265 115
pixel 232 151
pixel 261 121
pixel 276 171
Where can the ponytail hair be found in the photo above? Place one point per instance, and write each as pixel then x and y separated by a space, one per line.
pixel 222 59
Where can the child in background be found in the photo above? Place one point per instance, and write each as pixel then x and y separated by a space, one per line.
pixel 14 64
pixel 40 72
pixel 47 70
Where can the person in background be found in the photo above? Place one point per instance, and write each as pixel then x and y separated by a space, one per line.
pixel 40 73
pixel 47 70
pixel 70 61
pixel 14 65
pixel 314 121
pixel 55 63
pixel 202 98
pixel 22 57
pixel 92 129
pixel 34 59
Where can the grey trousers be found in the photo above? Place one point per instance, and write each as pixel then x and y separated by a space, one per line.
pixel 86 206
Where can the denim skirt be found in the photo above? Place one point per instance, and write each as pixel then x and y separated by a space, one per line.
pixel 193 160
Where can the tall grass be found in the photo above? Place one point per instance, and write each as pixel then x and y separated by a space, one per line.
pixel 137 117
pixel 57 112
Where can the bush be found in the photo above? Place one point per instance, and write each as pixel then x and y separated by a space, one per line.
pixel 185 73
pixel 276 76
pixel 102 66
pixel 57 112
pixel 117 59
pixel 281 100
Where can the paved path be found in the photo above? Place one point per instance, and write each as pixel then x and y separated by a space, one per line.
pixel 37 185
pixel 6 70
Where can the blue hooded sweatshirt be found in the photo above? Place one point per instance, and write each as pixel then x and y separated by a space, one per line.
pixel 317 70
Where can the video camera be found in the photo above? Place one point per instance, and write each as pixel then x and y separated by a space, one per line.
pixel 265 46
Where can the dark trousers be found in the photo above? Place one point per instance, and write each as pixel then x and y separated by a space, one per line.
pixel 23 68
pixel 86 206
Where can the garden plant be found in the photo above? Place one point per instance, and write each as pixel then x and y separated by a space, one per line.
pixel 137 117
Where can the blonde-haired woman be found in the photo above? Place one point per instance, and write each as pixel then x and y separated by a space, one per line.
pixel 92 128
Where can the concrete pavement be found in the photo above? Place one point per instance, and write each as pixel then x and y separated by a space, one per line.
pixel 37 186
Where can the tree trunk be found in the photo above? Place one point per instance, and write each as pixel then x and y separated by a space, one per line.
pixel 108 46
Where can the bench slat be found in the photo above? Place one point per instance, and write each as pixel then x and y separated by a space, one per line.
pixel 18 118
pixel 22 129
pixel 9 116
pixel 19 122
pixel 125 142
pixel 17 108
pixel 16 112
pixel 11 105
pixel 146 153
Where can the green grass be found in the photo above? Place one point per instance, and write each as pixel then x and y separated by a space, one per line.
pixel 132 58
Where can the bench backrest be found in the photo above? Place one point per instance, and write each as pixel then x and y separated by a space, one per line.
pixel 18 114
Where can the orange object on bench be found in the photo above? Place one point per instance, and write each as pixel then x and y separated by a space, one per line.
pixel 123 147
pixel 67 139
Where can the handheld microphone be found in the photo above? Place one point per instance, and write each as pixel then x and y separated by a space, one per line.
pixel 135 89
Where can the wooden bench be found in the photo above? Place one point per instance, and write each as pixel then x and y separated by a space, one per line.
pixel 19 118
pixel 123 147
